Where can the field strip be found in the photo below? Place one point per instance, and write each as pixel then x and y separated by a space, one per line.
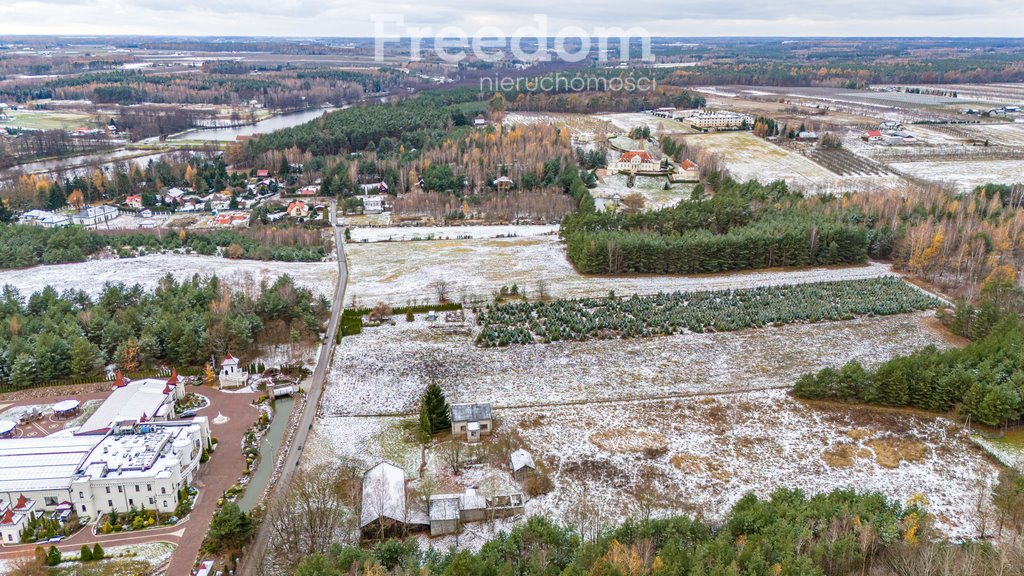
pixel 596 402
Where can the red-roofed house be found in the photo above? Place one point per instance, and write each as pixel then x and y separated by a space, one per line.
pixel 635 161
pixel 298 209
pixel 262 173
pixel 13 519
pixel 134 201
pixel 688 171
pixel 872 136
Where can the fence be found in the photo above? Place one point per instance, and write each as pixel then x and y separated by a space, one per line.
pixel 160 373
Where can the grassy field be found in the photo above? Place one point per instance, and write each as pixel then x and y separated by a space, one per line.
pixel 48 120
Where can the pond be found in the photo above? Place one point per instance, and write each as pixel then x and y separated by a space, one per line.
pixel 269 447
pixel 261 127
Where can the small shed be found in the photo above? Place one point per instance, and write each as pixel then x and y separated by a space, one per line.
pixel 472 420
pixel 444 514
pixel 522 464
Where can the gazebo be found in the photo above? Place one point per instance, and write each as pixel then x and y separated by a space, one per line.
pixel 7 428
pixel 67 408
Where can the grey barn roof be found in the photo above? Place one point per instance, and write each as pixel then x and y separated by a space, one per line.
pixel 471 412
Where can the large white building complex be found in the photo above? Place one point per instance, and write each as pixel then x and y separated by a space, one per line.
pixel 720 120
pixel 129 454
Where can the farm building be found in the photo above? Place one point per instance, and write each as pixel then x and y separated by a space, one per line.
pixel 472 420
pixel 383 511
pixel 444 514
pixel 522 464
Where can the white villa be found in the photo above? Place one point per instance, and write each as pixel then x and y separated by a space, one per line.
pixel 635 161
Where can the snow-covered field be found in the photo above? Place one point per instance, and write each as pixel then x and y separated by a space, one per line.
pixel 402 273
pixel 626 121
pixel 92 275
pixel 385 369
pixel 750 158
pixel 965 175
pixel 392 233
pixel 652 189
pixel 700 455
pixel 706 453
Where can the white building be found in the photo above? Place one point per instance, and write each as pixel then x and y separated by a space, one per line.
pixel 635 161
pixel 140 466
pixel 721 120
pixel 44 218
pixel 372 204
pixel 141 401
pixel 94 215
pixel 383 506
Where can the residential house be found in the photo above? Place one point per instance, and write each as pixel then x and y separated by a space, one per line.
pixel 174 195
pixel 372 203
pixel 472 420
pixel 872 136
pixel 263 173
pixel 298 209
pixel 503 183
pixel 134 201
pixel 686 171
pixel 308 191
pixel 635 161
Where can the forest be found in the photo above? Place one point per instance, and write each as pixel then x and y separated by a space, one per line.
pixel 25 245
pixel 787 534
pixel 984 379
pixel 50 336
pixel 742 226
pixel 710 311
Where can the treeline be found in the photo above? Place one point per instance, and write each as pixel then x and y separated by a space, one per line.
pixel 838 533
pixel 743 226
pixel 25 245
pixel 49 336
pixel 985 379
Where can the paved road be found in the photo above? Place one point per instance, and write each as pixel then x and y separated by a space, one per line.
pixel 250 563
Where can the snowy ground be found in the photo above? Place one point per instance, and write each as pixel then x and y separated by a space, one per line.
pixel 385 369
pixel 652 188
pixel 708 452
pixel 750 158
pixel 92 275
pixel 965 175
pixel 626 121
pixel 699 456
pixel 380 234
pixel 402 273
pixel 124 560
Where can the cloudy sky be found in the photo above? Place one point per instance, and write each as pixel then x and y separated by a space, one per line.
pixel 659 17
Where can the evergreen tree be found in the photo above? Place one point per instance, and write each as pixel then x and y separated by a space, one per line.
pixel 86 554
pixel 97 552
pixel 435 407
pixel 53 557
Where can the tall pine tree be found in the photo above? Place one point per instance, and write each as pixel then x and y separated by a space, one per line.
pixel 435 408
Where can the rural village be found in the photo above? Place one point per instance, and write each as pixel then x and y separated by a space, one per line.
pixel 422 325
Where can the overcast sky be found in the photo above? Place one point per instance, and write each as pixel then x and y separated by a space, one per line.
pixel 673 17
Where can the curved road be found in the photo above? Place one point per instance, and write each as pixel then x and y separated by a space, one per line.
pixel 250 563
